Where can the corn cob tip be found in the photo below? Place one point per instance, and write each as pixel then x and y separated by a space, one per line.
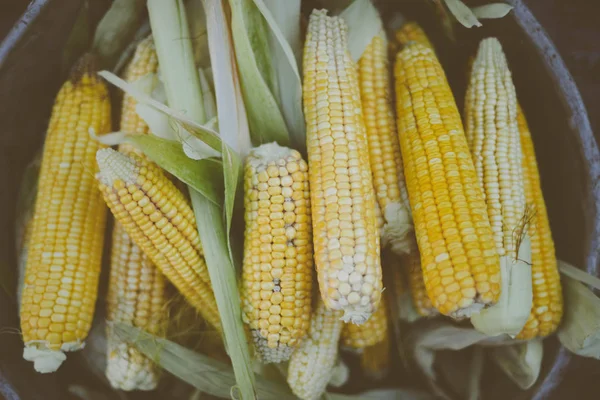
pixel 115 166
pixel 270 152
pixel 357 315
pixel 397 231
pixel 45 360
pixel 86 65
pixel 270 355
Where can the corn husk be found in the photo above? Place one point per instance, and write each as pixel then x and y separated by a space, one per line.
pixel 116 29
pixel 285 43
pixel 521 362
pixel 579 331
pixel 364 24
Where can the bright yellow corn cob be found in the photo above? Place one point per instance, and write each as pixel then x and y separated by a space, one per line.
pixel 547 310
pixel 459 262
pixel 346 239
pixel 65 251
pixel 136 291
pixel 384 149
pixel 277 271
pixel 159 220
pixel 312 363
pixel 375 359
pixel 412 32
pixel 418 291
pixel 493 136
pixel 371 332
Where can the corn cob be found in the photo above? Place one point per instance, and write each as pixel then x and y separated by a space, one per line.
pixel 65 251
pixel 159 220
pixel 375 359
pixel 371 332
pixel 384 149
pixel 346 240
pixel 277 270
pixel 418 291
pixel 493 137
pixel 312 363
pixel 459 262
pixel 547 310
pixel 412 32
pixel 136 291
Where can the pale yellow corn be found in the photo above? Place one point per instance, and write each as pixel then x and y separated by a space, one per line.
pixel 312 364
pixel 412 32
pixel 493 137
pixel 65 249
pixel 373 331
pixel 418 291
pixel 346 239
pixel 278 265
pixel 459 261
pixel 158 218
pixel 136 291
pixel 547 309
pixel 384 149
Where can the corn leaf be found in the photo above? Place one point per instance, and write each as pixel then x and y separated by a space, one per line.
pixel 198 34
pixel 214 239
pixel 79 38
pixel 258 80
pixel 476 370
pixel 176 118
pixel 364 23
pixel 578 274
pixel 580 327
pixel 285 43
pixel 521 362
pixel 116 29
pixel 491 11
pixel 203 175
pixel 462 13
pixel 204 373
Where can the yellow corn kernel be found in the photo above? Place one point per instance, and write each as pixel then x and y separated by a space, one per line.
pixel 412 32
pixel 312 363
pixel 370 333
pixel 160 221
pixel 346 239
pixel 547 309
pixel 65 251
pixel 459 261
pixel 375 359
pixel 277 270
pixel 384 149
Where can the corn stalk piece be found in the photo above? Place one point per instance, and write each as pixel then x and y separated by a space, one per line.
pixel 346 238
pixel 158 218
pixel 493 136
pixel 277 270
pixel 137 289
pixel 65 250
pixel 458 257
pixel 312 364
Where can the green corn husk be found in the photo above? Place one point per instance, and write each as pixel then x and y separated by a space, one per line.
pixel 521 362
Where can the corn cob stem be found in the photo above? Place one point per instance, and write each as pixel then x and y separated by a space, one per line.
pixel 159 220
pixel 346 239
pixel 459 262
pixel 493 137
pixel 312 364
pixel 65 251
pixel 277 271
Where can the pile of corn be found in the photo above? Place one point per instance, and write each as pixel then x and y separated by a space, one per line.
pixel 392 164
